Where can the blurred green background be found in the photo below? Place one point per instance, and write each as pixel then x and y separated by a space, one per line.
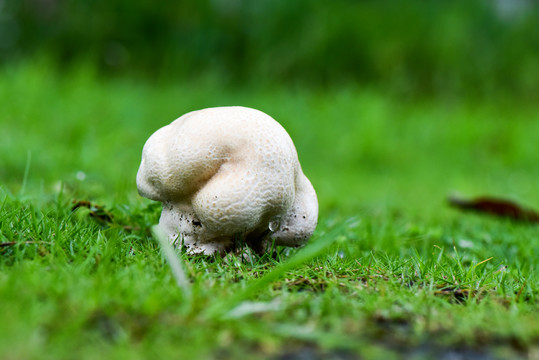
pixel 414 47
pixel 389 102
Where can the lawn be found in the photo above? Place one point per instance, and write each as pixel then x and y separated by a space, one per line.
pixel 391 271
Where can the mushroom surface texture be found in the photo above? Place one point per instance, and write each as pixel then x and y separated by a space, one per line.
pixel 228 175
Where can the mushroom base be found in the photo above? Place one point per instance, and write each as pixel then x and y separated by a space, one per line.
pixel 184 229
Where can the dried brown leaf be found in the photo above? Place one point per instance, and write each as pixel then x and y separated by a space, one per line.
pixel 496 207
pixel 97 212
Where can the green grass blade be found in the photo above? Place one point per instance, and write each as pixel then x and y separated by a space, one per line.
pixel 173 260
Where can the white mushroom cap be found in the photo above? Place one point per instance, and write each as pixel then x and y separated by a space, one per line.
pixel 225 174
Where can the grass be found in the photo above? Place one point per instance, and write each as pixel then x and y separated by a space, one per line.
pixel 390 272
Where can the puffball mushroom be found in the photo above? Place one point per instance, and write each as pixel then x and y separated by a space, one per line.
pixel 224 174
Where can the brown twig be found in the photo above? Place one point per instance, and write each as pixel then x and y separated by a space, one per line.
pixel 12 243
